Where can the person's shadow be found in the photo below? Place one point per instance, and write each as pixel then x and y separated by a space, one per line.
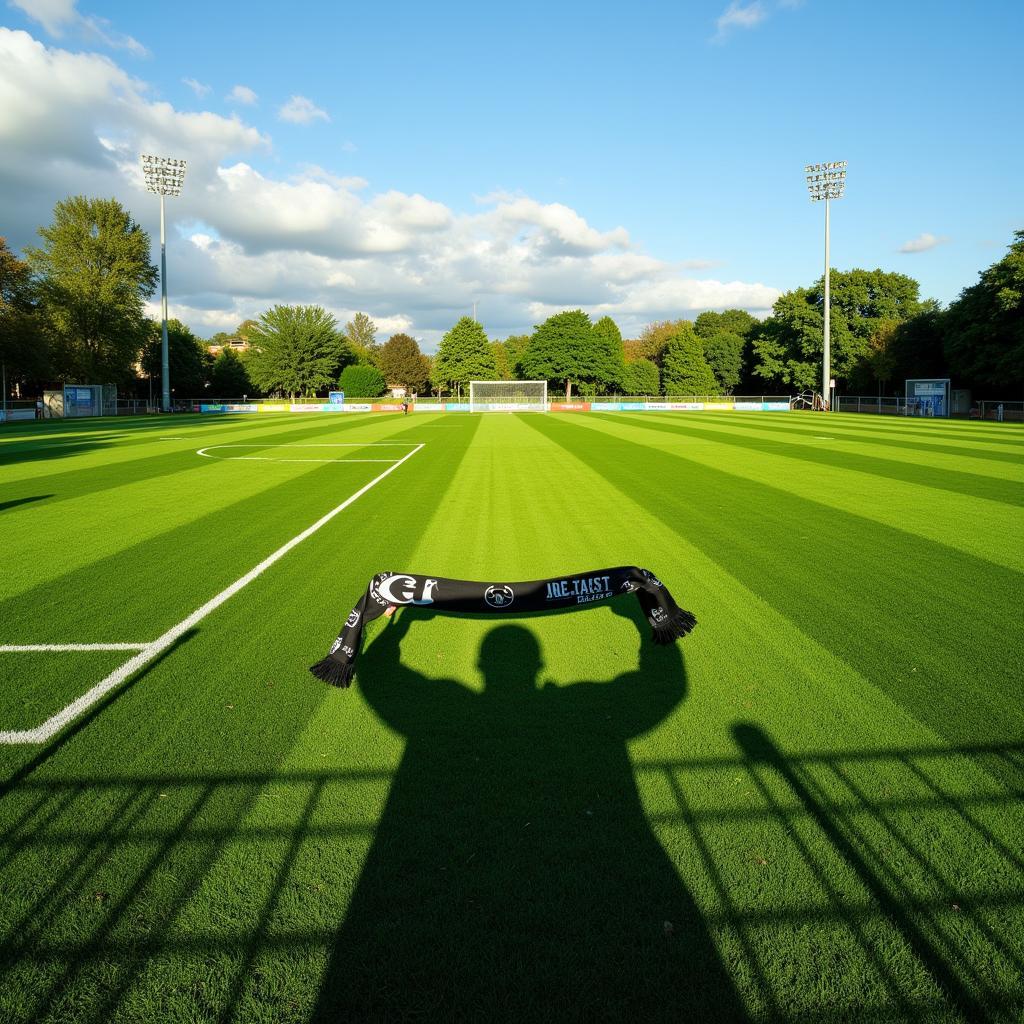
pixel 514 874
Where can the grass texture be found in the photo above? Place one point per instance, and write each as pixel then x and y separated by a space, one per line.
pixel 810 809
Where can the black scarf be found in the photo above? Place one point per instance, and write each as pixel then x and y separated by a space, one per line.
pixel 389 589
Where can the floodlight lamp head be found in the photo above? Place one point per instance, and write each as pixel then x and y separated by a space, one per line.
pixel 164 176
pixel 826 181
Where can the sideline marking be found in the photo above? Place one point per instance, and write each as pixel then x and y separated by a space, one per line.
pixel 17 648
pixel 68 714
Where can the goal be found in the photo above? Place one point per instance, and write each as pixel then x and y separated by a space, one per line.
pixel 508 396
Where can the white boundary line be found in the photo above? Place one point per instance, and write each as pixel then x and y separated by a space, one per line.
pixel 20 648
pixel 296 444
pixel 68 714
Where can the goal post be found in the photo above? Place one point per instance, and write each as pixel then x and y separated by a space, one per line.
pixel 508 396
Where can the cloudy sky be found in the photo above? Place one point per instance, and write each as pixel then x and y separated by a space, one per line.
pixel 643 161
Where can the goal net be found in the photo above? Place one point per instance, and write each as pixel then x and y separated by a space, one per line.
pixel 508 396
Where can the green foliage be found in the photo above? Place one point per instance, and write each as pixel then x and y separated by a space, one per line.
pixel 296 350
pixel 93 273
pixel 565 349
pixel 655 337
pixel 361 333
pixel 229 377
pixel 189 360
pixel 724 354
pixel 361 380
pixel 502 370
pixel 732 321
pixel 685 370
pixel 788 346
pixel 984 328
pixel 608 355
pixel 640 377
pixel 23 342
pixel 463 355
pixel 402 363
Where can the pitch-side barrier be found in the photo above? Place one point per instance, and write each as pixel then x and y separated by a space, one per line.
pixel 737 405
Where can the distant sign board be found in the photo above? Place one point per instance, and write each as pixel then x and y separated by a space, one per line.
pixel 337 397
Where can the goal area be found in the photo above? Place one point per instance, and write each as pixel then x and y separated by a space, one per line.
pixel 508 396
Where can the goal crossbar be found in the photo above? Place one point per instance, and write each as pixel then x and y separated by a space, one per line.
pixel 508 396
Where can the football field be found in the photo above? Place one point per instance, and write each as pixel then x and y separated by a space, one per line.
pixel 810 808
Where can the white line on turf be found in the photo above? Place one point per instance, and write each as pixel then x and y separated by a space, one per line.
pixel 16 648
pixel 68 714
pixel 269 458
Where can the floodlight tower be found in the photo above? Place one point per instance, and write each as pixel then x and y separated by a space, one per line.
pixel 826 181
pixel 165 177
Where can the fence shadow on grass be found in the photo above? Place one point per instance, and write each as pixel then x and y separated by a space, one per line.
pixel 518 870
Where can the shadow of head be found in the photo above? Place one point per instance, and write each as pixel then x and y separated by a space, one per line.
pixel 510 661
pixel 755 743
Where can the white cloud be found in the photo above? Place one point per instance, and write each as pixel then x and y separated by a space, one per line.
pixel 740 16
pixel 60 16
pixel 242 239
pixel 300 110
pixel 923 243
pixel 242 94
pixel 197 87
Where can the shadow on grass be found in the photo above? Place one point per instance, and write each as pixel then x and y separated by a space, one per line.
pixel 15 502
pixel 515 872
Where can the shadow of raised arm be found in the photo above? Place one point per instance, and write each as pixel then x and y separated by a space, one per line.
pixel 404 699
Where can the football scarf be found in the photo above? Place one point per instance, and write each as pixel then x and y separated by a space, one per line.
pixel 391 589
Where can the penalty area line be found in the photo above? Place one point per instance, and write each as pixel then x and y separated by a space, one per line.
pixel 152 650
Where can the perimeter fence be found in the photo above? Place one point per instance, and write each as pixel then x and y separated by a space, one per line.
pixel 998 410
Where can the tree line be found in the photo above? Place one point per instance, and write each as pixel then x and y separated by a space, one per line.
pixel 72 310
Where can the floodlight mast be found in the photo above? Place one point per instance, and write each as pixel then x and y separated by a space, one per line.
pixel 826 181
pixel 164 176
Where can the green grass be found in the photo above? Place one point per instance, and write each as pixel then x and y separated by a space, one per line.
pixel 810 809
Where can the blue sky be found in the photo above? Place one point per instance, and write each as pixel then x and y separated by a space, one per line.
pixel 643 160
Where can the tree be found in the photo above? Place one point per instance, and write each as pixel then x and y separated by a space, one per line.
pixel 189 361
pixel 685 371
pixel 734 321
pixel 23 342
pixel 92 274
pixel 402 363
pixel 228 376
pixel 788 346
pixel 564 349
pixel 296 350
pixel 640 377
pixel 724 354
pixel 655 336
pixel 361 333
pixel 984 329
pixel 881 357
pixel 502 370
pixel 609 354
pixel 463 355
pixel 361 380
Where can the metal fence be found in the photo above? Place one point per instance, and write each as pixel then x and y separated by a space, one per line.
pixel 1000 411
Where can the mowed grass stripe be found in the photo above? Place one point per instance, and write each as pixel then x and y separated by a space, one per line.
pixel 995 482
pixel 932 513
pixel 938 440
pixel 932 627
pixel 182 778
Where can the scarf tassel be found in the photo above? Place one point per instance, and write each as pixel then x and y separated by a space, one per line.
pixel 332 671
pixel 678 624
